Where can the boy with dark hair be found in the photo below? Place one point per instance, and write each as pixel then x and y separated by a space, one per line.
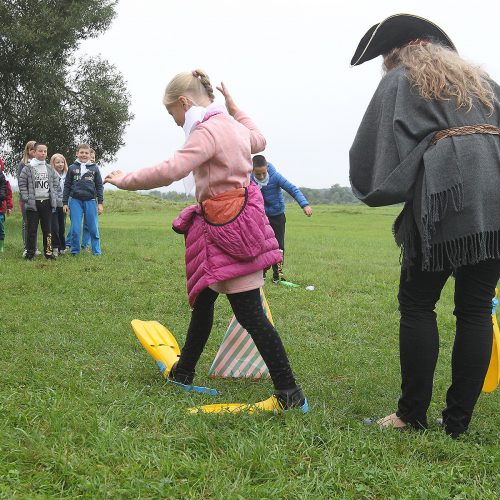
pixel 271 182
pixel 39 188
pixel 83 184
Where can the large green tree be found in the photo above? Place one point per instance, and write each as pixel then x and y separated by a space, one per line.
pixel 46 94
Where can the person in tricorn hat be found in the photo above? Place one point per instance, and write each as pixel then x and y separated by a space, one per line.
pixel 430 139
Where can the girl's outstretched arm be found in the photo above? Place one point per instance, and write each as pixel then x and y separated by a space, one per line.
pixel 197 150
pixel 257 140
pixel 232 109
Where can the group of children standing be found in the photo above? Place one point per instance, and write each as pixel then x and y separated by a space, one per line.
pixel 49 191
pixel 47 195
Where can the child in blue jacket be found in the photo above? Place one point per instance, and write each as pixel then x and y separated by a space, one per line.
pixel 82 186
pixel 271 182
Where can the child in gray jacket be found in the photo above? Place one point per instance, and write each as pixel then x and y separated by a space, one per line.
pixel 39 188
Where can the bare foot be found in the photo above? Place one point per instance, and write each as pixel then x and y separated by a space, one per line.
pixel 392 421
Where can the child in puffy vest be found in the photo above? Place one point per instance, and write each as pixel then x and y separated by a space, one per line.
pixel 228 238
pixel 271 183
pixel 5 203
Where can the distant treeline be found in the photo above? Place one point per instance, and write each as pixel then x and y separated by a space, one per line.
pixel 335 195
pixel 172 196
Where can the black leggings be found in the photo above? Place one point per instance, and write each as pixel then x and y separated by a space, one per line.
pixel 247 308
pixel 59 229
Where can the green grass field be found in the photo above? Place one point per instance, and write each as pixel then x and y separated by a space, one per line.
pixel 85 412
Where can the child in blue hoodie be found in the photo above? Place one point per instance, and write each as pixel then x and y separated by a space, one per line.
pixel 271 183
pixel 83 185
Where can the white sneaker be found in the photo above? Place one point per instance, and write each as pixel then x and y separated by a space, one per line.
pixel 55 252
pixel 25 252
pixel 37 252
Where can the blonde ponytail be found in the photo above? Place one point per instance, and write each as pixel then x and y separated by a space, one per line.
pixel 205 81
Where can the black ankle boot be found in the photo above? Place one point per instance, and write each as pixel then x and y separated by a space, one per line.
pixel 291 398
pixel 181 376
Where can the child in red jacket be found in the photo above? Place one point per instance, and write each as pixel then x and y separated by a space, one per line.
pixel 5 203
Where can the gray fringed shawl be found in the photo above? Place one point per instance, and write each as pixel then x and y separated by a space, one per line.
pixel 451 190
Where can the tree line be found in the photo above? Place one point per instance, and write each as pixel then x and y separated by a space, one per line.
pixel 335 195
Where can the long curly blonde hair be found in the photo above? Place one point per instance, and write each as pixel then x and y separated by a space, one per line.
pixel 439 73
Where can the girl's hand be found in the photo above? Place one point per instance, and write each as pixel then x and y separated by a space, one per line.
pixel 230 105
pixel 113 177
pixel 65 209
pixel 100 208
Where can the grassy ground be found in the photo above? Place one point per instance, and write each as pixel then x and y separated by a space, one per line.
pixel 85 413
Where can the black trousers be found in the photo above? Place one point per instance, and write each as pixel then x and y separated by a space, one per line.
pixel 419 341
pixel 247 308
pixel 278 222
pixel 42 214
pixel 59 229
pixel 24 229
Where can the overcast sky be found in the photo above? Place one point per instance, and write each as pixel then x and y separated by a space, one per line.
pixel 286 62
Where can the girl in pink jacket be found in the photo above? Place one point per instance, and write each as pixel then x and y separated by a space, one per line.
pixel 228 238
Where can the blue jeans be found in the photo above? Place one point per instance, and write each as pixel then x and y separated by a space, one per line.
pixel 86 233
pixel 84 209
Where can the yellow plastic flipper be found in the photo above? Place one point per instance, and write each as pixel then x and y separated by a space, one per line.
pixel 270 404
pixel 493 375
pixel 159 342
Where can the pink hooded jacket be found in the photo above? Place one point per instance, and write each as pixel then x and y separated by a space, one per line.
pixel 217 253
pixel 219 153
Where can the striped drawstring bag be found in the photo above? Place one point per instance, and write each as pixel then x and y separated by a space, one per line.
pixel 238 356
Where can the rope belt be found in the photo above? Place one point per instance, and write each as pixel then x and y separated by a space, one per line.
pixel 467 130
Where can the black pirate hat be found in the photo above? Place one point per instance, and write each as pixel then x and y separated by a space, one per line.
pixel 396 31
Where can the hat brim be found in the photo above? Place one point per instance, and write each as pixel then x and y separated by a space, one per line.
pixel 396 31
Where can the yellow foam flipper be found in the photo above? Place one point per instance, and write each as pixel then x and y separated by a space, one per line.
pixel 270 404
pixel 493 375
pixel 267 309
pixel 159 342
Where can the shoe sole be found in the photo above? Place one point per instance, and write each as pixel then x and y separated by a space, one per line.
pixel 186 387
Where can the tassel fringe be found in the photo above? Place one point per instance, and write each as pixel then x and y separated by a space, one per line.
pixel 469 249
pixel 465 250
